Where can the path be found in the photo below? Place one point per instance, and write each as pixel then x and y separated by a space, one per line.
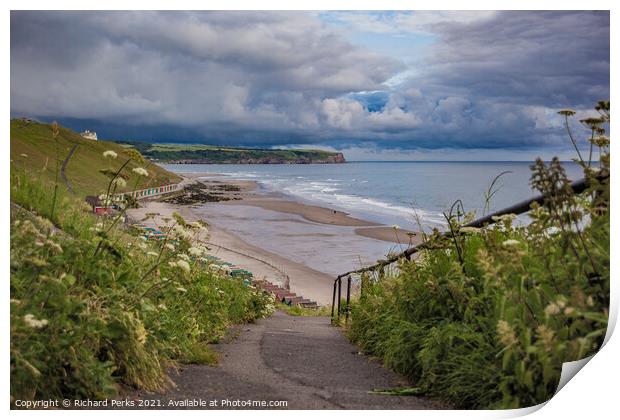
pixel 302 360
pixel 63 175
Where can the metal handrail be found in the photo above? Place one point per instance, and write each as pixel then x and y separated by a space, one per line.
pixel 523 206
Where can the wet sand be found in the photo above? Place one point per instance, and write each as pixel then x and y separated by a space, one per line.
pixel 327 229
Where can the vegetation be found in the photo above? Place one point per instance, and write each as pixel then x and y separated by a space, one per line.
pixel 201 153
pixel 95 307
pixel 486 317
pixel 35 149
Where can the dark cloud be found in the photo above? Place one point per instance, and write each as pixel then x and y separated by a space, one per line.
pixel 490 81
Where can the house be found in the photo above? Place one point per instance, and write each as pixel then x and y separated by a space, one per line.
pixel 89 135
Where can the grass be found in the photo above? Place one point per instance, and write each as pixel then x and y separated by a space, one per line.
pixel 84 170
pixel 222 154
pixel 94 307
pixel 297 310
pixel 485 318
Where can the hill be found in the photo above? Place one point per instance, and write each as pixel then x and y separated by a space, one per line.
pixel 200 153
pixel 34 150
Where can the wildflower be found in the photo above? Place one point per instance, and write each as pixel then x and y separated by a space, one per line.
pixel 54 246
pixel 506 333
pixel 552 309
pixel 569 310
pixel 195 251
pixel 33 322
pixel 170 247
pixel 110 154
pixel 152 254
pixel 561 302
pixel 511 242
pixel 183 265
pixel 183 257
pixel 172 264
pixel 566 112
pixel 162 306
pixel 119 182
pixel 140 171
pixel 504 217
pixel 545 334
pixel 182 289
pixel 467 229
pixel 37 261
pixel 142 245
pixel 38 243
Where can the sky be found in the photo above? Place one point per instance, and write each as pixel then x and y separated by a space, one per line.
pixel 446 85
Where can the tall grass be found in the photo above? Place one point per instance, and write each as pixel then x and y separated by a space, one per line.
pixel 84 324
pixel 486 317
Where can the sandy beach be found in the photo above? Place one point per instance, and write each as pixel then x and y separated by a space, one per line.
pixel 287 242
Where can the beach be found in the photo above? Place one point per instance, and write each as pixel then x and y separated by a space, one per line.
pixel 285 241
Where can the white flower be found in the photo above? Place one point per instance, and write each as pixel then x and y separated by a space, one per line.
pixel 152 254
pixel 172 264
pixel 170 247
pixel 33 322
pixel 182 289
pixel 511 242
pixel 183 265
pixel 54 246
pixel 119 182
pixel 552 309
pixel 195 251
pixel 110 154
pixel 467 229
pixel 140 171
pixel 183 256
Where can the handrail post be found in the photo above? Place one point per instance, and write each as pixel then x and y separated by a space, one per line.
pixel 334 298
pixel 348 299
pixel 339 295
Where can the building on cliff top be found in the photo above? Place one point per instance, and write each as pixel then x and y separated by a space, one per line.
pixel 89 135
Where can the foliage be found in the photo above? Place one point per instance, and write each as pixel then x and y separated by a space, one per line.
pixel 486 317
pixel 95 306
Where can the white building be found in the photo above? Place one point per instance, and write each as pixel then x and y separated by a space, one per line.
pixel 89 135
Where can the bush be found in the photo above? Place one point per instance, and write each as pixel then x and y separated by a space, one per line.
pixel 486 317
pixel 93 307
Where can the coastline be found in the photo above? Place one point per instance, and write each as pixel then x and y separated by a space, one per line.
pixel 244 203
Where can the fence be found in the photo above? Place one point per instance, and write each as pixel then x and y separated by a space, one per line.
pixel 519 208
pixel 150 192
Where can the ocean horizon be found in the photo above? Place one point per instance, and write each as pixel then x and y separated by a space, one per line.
pixel 399 193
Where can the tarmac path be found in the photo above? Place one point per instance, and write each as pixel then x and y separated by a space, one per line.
pixel 301 360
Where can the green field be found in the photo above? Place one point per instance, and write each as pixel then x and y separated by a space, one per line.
pixel 202 153
pixel 34 150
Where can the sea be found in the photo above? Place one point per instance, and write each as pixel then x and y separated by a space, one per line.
pixel 411 195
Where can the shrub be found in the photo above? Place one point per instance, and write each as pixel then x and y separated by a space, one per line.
pixel 94 307
pixel 486 317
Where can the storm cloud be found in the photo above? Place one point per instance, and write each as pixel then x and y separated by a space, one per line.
pixel 487 80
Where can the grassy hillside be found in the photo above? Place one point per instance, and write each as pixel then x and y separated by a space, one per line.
pixel 95 308
pixel 200 153
pixel 33 149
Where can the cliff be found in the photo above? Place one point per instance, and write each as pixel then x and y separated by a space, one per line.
pixel 190 153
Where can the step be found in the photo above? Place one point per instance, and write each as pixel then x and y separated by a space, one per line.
pixel 293 300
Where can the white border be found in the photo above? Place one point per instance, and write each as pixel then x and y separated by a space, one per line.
pixel 591 394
